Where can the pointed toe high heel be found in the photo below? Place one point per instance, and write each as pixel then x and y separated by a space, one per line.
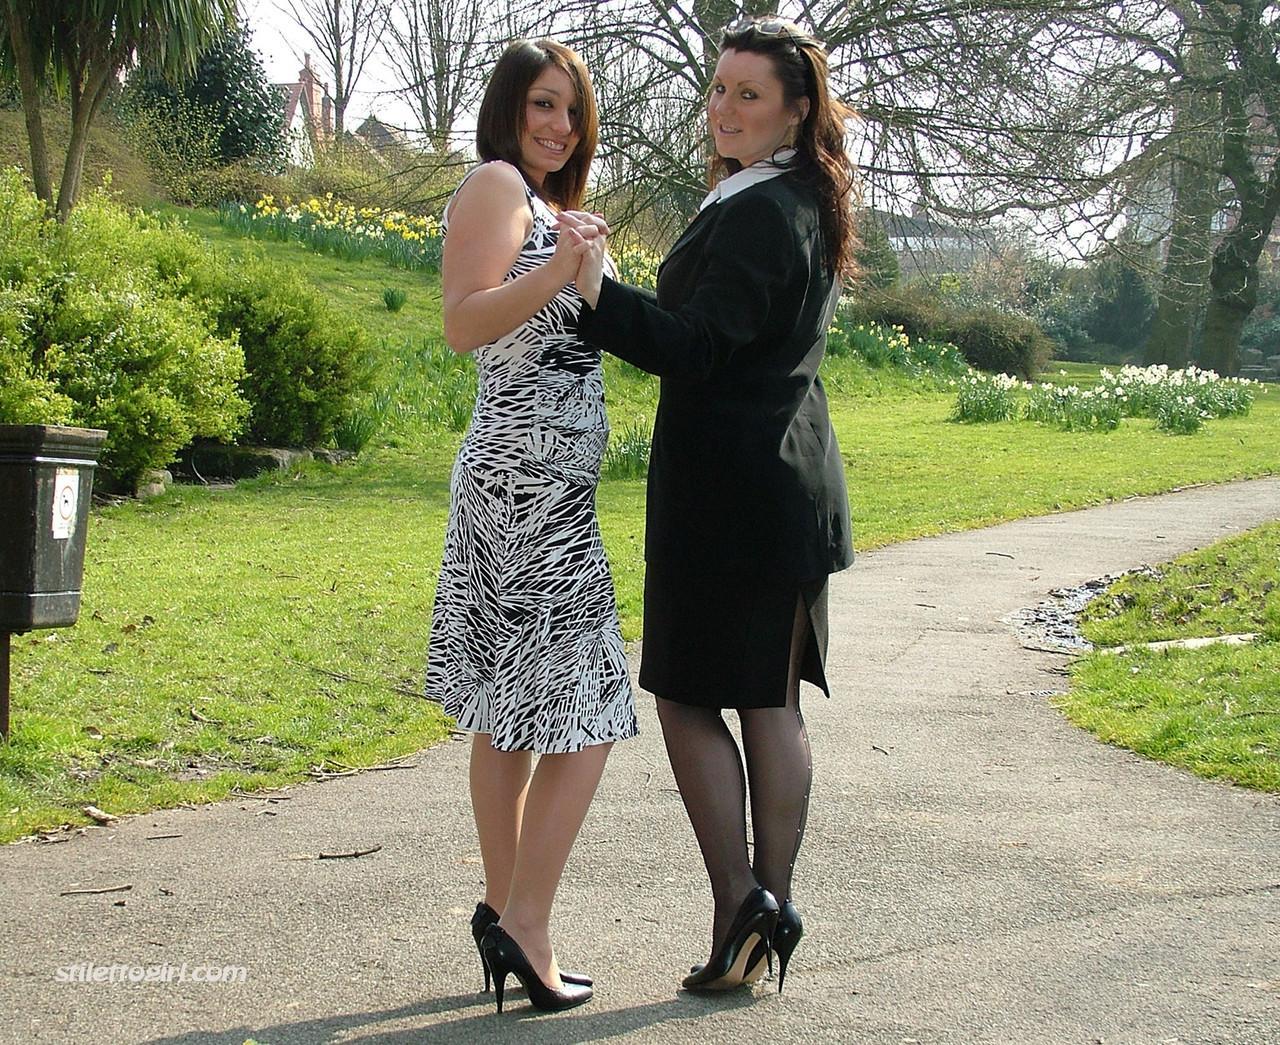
pixel 752 926
pixel 503 957
pixel 786 934
pixel 486 916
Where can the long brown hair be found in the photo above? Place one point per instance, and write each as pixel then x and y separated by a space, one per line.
pixel 501 122
pixel 800 63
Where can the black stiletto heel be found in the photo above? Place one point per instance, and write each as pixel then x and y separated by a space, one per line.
pixel 752 926
pixel 785 937
pixel 486 916
pixel 504 958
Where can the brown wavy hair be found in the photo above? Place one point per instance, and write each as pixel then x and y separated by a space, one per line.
pixel 501 122
pixel 800 63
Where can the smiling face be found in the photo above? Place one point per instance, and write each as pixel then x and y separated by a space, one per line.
pixel 747 112
pixel 551 121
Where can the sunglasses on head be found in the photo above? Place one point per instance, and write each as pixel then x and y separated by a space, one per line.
pixel 768 27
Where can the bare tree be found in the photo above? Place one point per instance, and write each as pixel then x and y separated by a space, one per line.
pixel 437 49
pixel 972 110
pixel 345 33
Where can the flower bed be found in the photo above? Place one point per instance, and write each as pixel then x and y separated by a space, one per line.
pixel 328 225
pixel 1179 401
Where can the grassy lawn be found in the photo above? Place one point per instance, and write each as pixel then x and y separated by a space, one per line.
pixel 355 287
pixel 1215 710
pixel 236 638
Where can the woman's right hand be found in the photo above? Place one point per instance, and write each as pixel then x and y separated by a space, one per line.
pixel 576 230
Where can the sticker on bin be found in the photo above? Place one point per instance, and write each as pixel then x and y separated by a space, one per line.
pixel 66 492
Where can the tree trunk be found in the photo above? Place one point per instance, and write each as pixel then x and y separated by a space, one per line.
pixel 1234 277
pixel 1194 182
pixel 85 98
pixel 1234 280
pixel 25 63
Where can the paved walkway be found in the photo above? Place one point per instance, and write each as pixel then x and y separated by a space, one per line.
pixel 976 869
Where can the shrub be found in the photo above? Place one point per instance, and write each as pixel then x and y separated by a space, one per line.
pixel 406 180
pixel 92 334
pixel 1262 334
pixel 303 362
pixel 918 316
pixel 1001 343
pixel 305 365
pixel 147 369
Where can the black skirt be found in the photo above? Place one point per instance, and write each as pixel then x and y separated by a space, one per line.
pixel 726 642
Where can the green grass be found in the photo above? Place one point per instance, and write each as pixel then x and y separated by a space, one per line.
pixel 1214 711
pixel 1082 375
pixel 210 618
pixel 913 473
pixel 1230 588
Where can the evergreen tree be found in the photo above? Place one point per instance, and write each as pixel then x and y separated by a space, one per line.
pixel 230 90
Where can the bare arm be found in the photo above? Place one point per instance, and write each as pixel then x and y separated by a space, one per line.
pixel 489 221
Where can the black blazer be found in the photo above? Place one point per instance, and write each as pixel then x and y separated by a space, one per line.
pixel 745 473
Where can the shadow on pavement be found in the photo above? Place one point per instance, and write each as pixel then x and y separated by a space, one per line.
pixel 473 1019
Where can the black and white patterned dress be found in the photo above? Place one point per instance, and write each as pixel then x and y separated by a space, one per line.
pixel 525 644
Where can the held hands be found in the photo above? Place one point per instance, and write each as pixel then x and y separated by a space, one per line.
pixel 587 234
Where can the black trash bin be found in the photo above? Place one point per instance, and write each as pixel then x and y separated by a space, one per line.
pixel 46 480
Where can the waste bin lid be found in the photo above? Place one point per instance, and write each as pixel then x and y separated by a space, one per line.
pixel 51 439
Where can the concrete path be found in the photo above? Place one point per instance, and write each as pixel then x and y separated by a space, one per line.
pixel 976 869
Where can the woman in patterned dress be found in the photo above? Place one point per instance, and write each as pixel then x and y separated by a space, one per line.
pixel 525 648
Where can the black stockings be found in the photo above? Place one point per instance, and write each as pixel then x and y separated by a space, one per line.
pixel 708 770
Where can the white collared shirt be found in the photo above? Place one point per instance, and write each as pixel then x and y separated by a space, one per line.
pixel 760 171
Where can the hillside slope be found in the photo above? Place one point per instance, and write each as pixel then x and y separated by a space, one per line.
pixel 131 180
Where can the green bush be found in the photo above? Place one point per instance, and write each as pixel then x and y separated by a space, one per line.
pixel 305 365
pixel 91 334
pixel 917 315
pixel 394 298
pixel 1000 343
pixel 403 180
pixel 148 370
pixel 302 361
pixel 1262 333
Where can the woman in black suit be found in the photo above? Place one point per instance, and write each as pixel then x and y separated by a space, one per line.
pixel 747 511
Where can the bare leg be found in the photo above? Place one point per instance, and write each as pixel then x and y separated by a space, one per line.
pixel 499 784
pixel 557 802
pixel 780 768
pixel 708 770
